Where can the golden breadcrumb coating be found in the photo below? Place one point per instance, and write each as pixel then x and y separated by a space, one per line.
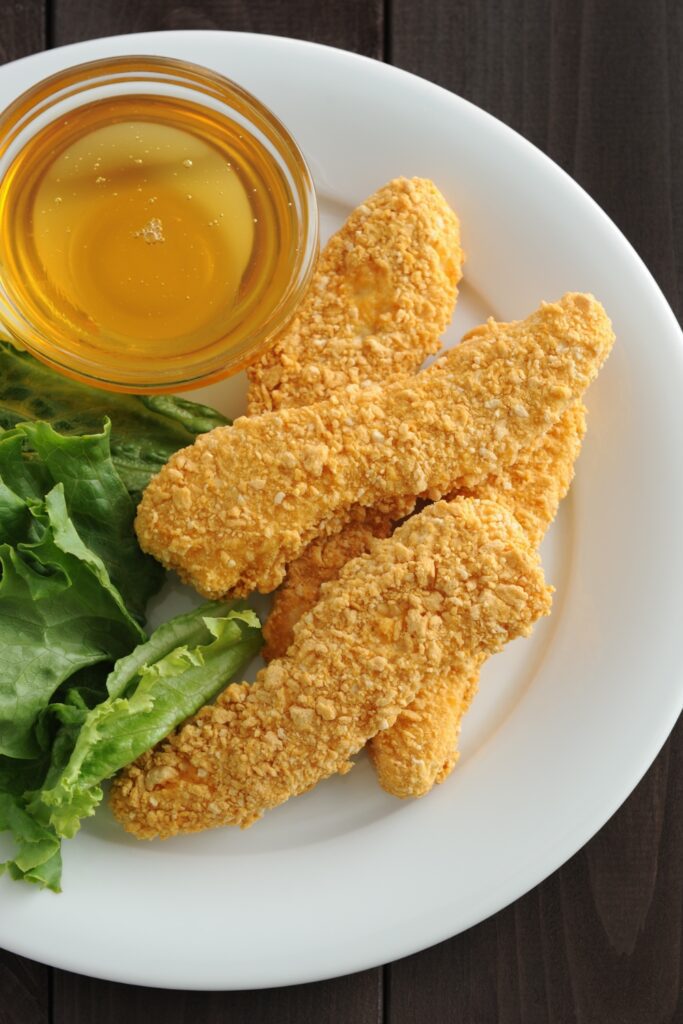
pixel 229 512
pixel 323 560
pixel 420 748
pixel 452 586
pixel 382 294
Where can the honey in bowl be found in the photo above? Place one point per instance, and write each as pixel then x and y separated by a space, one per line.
pixel 140 231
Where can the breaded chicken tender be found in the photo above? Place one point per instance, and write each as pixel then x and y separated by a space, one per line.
pixel 451 587
pixel 382 294
pixel 231 511
pixel 420 748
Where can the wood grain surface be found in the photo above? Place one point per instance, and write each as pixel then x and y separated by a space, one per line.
pixel 598 85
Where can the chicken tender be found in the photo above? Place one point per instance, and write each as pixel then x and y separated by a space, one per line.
pixel 451 587
pixel 420 748
pixel 383 293
pixel 229 512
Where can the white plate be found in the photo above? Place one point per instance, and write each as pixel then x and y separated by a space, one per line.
pixel 565 725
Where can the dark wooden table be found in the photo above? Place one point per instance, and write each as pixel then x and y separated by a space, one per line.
pixel 598 85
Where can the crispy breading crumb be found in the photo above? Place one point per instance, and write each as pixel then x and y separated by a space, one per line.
pixel 382 294
pixel 439 432
pixel 454 583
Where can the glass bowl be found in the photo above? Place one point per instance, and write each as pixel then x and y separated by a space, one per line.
pixel 170 340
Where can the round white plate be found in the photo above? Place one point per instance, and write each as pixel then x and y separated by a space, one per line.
pixel 565 725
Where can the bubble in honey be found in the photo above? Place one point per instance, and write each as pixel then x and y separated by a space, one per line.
pixel 152 232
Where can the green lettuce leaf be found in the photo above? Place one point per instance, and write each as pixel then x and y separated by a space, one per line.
pixel 34 457
pixel 73 590
pixel 21 471
pixel 196 418
pixel 161 694
pixel 183 665
pixel 37 856
pixel 59 612
pixel 14 516
pixel 187 630
pixel 145 430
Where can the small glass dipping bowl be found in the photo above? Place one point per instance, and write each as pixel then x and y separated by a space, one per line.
pixel 243 314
